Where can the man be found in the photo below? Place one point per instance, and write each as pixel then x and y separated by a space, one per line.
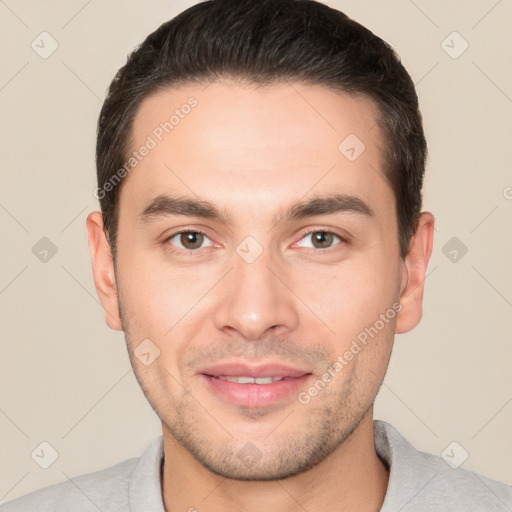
pixel 261 240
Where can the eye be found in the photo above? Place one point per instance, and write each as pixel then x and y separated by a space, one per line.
pixel 320 239
pixel 188 240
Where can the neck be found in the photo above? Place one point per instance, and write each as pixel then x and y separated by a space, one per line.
pixel 352 478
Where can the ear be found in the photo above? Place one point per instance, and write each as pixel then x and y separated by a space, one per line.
pixel 103 270
pixel 413 274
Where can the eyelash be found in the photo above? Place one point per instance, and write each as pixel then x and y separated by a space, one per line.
pixel 194 252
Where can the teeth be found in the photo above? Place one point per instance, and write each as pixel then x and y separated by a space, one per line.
pixel 250 380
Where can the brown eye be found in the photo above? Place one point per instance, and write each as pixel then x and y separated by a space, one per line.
pixel 322 239
pixel 189 240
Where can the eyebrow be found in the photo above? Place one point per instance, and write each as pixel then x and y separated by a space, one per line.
pixel 166 205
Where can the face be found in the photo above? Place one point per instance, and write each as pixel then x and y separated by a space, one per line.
pixel 251 244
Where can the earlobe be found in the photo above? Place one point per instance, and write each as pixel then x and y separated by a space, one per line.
pixel 103 269
pixel 414 272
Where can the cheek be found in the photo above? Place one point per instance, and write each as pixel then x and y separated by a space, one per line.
pixel 162 302
pixel 146 294
pixel 349 296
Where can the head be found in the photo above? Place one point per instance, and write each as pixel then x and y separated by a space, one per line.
pixel 287 140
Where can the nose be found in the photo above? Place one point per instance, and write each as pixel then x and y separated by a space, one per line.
pixel 254 298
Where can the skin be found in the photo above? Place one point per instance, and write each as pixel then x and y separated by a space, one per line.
pixel 253 152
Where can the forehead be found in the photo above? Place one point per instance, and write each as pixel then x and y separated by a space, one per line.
pixel 227 141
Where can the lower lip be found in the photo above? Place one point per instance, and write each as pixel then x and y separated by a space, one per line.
pixel 256 395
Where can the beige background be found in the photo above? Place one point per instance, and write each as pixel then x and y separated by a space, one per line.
pixel 65 378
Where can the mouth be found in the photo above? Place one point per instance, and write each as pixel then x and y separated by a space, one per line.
pixel 249 380
pixel 254 386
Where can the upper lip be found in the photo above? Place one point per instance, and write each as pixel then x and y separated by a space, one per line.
pixel 245 370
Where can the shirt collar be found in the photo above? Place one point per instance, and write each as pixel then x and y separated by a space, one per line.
pixel 145 488
pixel 409 469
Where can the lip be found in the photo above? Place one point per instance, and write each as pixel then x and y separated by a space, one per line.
pixel 255 395
pixel 262 370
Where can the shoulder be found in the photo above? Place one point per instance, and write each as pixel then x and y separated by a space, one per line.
pixel 422 481
pixel 460 489
pixel 101 490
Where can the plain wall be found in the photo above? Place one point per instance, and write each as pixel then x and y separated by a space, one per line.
pixel 65 378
